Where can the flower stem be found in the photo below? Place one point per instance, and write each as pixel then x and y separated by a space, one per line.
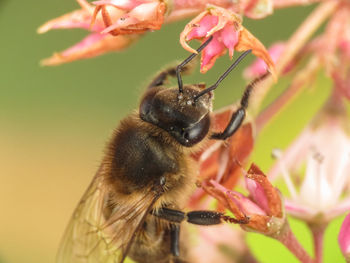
pixel 288 239
pixel 318 235
pixel 294 45
pixel 287 96
pixel 289 3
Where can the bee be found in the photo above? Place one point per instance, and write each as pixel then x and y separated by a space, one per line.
pixel 133 206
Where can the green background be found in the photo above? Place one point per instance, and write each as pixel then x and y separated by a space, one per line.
pixel 55 121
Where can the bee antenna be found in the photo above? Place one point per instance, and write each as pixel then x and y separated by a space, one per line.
pixel 223 76
pixel 187 60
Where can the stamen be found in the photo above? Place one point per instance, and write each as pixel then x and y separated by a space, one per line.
pixel 318 157
pixel 223 161
pixel 341 175
pixel 206 154
pixel 277 154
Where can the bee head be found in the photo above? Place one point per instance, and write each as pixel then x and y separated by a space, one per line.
pixel 185 118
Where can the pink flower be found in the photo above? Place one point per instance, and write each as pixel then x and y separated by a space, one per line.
pixel 228 34
pixel 134 16
pixel 257 9
pixel 341 72
pixel 344 238
pixel 262 211
pixel 93 45
pixel 220 243
pixel 324 148
pixel 259 67
pixel 215 161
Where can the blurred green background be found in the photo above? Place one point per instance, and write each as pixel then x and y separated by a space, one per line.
pixel 55 121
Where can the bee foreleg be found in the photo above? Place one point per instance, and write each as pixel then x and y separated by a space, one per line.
pixel 239 115
pixel 162 77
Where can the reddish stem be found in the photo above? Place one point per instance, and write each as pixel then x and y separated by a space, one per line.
pixel 288 239
pixel 318 235
pixel 289 3
pixel 294 45
pixel 304 75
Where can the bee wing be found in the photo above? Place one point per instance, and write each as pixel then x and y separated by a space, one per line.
pixel 89 237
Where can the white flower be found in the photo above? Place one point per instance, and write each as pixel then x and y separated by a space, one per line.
pixel 316 168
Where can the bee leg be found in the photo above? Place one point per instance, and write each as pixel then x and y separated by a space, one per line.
pixel 207 218
pixel 175 240
pixel 193 217
pixel 204 218
pixel 201 217
pixel 239 115
pixel 161 77
pixel 171 215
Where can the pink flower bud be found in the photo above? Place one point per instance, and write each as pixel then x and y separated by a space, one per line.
pixel 118 17
pixel 263 207
pixel 259 67
pixel 344 237
pixel 136 16
pixel 92 45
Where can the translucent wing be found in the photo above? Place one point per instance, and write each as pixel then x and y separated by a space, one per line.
pixel 91 236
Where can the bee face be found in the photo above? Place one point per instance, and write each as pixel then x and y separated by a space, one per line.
pixel 185 119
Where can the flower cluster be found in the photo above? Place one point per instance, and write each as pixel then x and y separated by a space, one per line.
pixel 126 20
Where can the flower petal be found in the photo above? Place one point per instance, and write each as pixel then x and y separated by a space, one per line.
pixel 248 41
pixel 219 243
pixel 209 55
pixel 218 22
pixel 145 12
pixel 299 210
pixel 76 19
pixel 339 210
pixel 91 46
pixel 201 29
pixel 258 194
pixel 259 67
pixel 245 204
pixel 271 194
pixel 143 17
pixel 344 237
pixel 294 155
pixel 259 9
pixel 121 4
pixel 229 36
